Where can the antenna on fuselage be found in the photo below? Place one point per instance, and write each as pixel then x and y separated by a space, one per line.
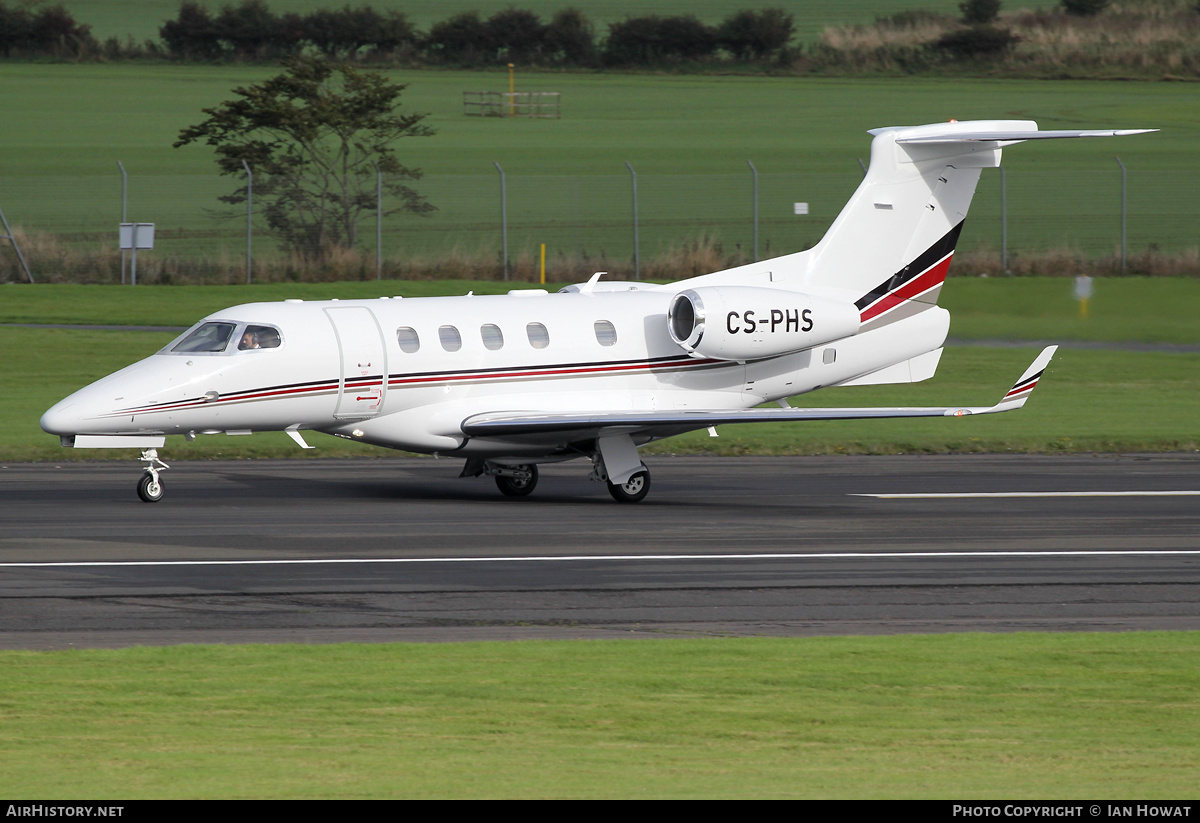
pixel 590 285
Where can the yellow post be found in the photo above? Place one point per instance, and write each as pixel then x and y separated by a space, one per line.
pixel 511 90
pixel 1083 293
pixel 543 264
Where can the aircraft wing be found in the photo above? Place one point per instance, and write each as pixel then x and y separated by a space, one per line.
pixel 584 424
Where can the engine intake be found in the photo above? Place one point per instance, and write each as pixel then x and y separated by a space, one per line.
pixel 751 322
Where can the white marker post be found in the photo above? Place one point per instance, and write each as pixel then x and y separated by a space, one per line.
pixel 134 236
pixel 1083 293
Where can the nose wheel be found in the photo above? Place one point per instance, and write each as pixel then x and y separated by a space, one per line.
pixel 150 487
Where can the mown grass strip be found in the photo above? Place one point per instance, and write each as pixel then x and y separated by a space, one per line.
pixel 964 716
pixel 1122 309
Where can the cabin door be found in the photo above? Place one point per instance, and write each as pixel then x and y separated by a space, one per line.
pixel 363 382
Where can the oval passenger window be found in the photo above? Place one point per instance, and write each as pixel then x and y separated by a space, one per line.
pixel 408 340
pixel 606 333
pixel 539 338
pixel 493 338
pixel 451 339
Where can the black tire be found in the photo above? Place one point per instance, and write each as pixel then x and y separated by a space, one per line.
pixel 515 487
pixel 150 489
pixel 633 490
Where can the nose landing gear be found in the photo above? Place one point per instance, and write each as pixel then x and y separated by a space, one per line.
pixel 150 487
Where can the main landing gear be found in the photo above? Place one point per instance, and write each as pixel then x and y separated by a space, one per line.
pixel 519 480
pixel 516 481
pixel 150 487
pixel 633 490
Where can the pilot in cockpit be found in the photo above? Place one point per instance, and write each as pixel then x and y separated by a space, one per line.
pixel 259 337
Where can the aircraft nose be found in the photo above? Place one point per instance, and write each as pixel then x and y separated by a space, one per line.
pixel 90 410
pixel 62 418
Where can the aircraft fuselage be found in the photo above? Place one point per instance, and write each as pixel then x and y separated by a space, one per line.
pixel 404 373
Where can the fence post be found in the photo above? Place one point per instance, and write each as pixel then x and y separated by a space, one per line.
pixel 10 238
pixel 378 222
pixel 124 203
pixel 249 214
pixel 637 269
pixel 1123 191
pixel 754 171
pixel 503 215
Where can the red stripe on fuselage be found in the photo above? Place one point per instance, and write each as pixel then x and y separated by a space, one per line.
pixel 428 379
pixel 548 372
pixel 935 275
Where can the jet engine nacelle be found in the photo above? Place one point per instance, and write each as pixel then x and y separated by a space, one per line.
pixel 752 322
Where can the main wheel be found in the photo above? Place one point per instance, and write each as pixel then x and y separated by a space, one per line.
pixel 515 486
pixel 150 488
pixel 633 490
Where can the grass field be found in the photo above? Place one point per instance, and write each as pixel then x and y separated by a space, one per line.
pixel 568 185
pixel 949 716
pixel 1108 401
pixel 1125 309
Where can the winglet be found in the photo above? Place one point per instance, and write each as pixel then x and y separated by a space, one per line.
pixel 1021 390
pixel 1019 393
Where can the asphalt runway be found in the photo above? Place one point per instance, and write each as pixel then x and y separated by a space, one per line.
pixel 401 549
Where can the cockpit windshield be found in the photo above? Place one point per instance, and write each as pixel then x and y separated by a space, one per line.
pixel 259 337
pixel 220 337
pixel 210 337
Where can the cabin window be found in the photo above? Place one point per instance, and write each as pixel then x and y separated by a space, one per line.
pixel 606 333
pixel 210 338
pixel 408 340
pixel 451 339
pixel 259 337
pixel 493 338
pixel 539 338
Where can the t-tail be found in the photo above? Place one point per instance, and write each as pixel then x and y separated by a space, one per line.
pixel 874 279
pixel 890 248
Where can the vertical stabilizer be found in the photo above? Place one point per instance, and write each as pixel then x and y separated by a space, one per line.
pixel 893 241
pixel 890 248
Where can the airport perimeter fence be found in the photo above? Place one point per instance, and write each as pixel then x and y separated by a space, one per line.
pixel 594 222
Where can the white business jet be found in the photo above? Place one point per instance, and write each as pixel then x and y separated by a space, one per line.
pixel 510 381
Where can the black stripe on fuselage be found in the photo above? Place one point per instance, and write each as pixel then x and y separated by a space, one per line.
pixel 503 372
pixel 923 263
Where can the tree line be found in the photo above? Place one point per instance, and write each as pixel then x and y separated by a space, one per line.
pixel 251 31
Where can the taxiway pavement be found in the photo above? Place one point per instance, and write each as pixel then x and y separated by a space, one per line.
pixel 398 549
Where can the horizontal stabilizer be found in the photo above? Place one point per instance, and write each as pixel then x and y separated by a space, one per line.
pixel 957 136
pixel 583 425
